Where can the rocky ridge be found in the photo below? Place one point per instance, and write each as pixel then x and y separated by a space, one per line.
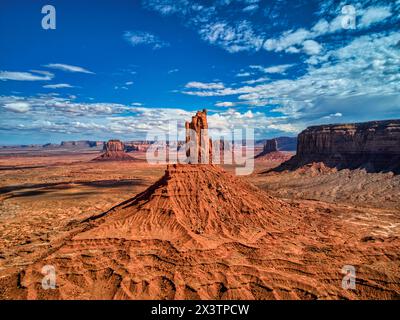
pixel 374 146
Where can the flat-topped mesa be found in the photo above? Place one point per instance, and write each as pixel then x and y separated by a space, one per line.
pixel 114 150
pixel 270 145
pixel 373 145
pixel 114 145
pixel 197 132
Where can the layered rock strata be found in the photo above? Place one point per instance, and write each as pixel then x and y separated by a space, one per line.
pixel 374 146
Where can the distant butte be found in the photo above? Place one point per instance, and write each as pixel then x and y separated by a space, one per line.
pixel 114 151
pixel 271 151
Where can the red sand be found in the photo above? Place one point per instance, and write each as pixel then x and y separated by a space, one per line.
pixel 201 233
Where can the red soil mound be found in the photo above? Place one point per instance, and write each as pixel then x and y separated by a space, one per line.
pixel 114 156
pixel 202 233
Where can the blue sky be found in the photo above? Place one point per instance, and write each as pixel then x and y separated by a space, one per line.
pixel 116 69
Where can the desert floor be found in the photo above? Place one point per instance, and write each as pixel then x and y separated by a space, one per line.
pixel 45 195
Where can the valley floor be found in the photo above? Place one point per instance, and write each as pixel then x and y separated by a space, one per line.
pixel 43 198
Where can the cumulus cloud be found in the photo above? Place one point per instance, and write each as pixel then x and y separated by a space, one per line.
pixel 303 40
pixel 52 114
pixel 360 80
pixel 53 104
pixel 137 38
pixel 67 68
pixel 312 47
pixel 18 107
pixel 222 24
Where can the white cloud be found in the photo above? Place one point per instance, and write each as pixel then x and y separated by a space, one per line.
pixel 58 86
pixel 224 104
pixel 334 115
pixel 273 69
pixel 49 114
pixel 202 85
pixel 25 76
pixel 312 47
pixel 321 27
pixel 361 80
pixel 288 39
pixel 67 68
pixel 258 80
pixel 136 38
pixel 173 71
pixel 18 107
pixel 300 40
pixel 251 8
pixel 232 37
pixel 129 83
pixel 221 24
pixel 243 74
pixel 373 15
pixel 52 104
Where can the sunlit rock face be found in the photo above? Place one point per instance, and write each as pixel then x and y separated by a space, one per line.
pixel 373 145
pixel 197 130
pixel 114 151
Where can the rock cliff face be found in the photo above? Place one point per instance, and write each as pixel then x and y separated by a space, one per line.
pixel 114 151
pixel 113 145
pixel 137 145
pixel 270 145
pixel 270 152
pixel 284 143
pixel 287 143
pixel 197 130
pixel 373 145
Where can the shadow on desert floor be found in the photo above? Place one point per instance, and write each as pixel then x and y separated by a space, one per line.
pixel 27 190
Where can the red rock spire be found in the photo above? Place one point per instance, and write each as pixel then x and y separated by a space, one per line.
pixel 199 127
